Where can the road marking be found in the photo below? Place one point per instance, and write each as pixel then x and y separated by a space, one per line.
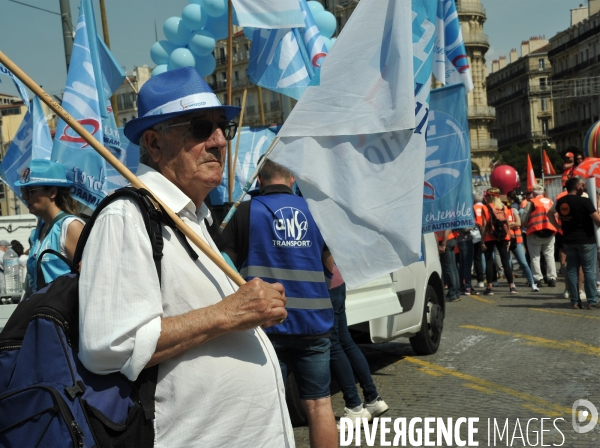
pixel 544 407
pixel 481 299
pixel 570 346
pixel 565 313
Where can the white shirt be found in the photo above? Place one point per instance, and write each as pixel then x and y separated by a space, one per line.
pixel 225 392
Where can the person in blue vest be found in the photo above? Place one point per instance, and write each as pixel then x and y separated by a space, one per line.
pixel 275 237
pixel 45 190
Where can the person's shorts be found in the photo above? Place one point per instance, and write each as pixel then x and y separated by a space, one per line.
pixel 308 360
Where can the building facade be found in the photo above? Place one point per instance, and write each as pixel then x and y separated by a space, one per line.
pixel 519 90
pixel 127 93
pixel 575 60
pixel 484 148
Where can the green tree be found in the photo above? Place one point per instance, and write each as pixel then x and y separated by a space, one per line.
pixel 516 157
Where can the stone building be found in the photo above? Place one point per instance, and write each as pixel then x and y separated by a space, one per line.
pixel 519 90
pixel 127 96
pixel 575 59
pixel 484 148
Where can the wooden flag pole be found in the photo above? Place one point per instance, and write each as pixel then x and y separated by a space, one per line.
pixel 229 89
pixel 122 169
pixel 239 136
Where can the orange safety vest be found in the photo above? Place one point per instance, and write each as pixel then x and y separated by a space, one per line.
pixel 538 219
pixel 477 210
pixel 523 204
pixel 514 231
pixel 560 195
pixel 566 174
pixel 440 235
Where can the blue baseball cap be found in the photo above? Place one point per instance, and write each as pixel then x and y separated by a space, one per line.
pixel 173 93
pixel 44 172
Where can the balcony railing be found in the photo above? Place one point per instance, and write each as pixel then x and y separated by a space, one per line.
pixel 275 106
pixel 482 111
pixel 470 8
pixel 250 110
pixel 483 144
pixel 476 39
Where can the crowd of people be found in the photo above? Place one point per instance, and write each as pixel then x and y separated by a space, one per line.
pixel 532 231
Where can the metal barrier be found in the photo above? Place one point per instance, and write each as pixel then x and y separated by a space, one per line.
pixel 553 186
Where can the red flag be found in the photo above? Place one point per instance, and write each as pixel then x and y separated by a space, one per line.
pixel 547 165
pixel 531 182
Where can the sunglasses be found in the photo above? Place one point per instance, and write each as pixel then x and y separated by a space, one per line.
pixel 26 192
pixel 203 129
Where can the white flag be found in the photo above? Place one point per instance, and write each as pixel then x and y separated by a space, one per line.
pixel 269 13
pixel 356 141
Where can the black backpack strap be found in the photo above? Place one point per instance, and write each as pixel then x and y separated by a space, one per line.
pixel 41 281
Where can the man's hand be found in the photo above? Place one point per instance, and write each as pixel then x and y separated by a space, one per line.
pixel 255 304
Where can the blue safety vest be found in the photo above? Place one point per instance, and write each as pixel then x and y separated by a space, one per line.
pixel 286 246
pixel 52 266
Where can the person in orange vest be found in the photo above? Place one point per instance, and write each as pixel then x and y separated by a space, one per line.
pixel 478 260
pixel 516 238
pixel 496 234
pixel 447 244
pixel 540 237
pixel 568 167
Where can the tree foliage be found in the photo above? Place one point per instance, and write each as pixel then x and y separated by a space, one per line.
pixel 516 157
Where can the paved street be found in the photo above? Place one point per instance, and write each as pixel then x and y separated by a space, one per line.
pixel 504 356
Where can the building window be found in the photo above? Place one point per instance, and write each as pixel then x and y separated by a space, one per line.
pixel 543 83
pixel 11 111
pixel 541 64
pixel 1 191
pixel 544 102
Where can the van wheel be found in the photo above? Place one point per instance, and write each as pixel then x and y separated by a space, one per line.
pixel 427 340
pixel 295 408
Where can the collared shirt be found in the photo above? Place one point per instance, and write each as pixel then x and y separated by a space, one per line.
pixel 225 392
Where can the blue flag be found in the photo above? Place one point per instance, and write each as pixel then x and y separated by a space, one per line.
pixel 285 60
pixel 20 86
pixel 113 73
pixel 448 195
pixel 86 101
pixel 253 144
pixel 32 140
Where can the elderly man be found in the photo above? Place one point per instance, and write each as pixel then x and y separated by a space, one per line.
pixel 219 382
pixel 578 216
pixel 540 237
pixel 275 237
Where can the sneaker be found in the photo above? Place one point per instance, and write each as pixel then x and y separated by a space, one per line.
pixel 488 292
pixel 474 292
pixel 376 407
pixel 595 306
pixel 582 295
pixel 453 299
pixel 357 412
pixel 467 292
pixel 534 288
pixel 513 290
pixel 566 294
pixel 480 285
pixel 552 283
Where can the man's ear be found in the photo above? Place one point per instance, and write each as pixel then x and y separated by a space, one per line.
pixel 292 181
pixel 259 181
pixel 150 138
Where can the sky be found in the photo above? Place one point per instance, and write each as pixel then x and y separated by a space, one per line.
pixel 33 38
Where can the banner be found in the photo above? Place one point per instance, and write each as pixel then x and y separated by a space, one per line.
pixel 285 60
pixel 268 14
pixel 451 64
pixel 32 140
pixel 448 191
pixel 253 144
pixel 356 139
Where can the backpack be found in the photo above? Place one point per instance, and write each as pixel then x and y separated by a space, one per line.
pixel 498 225
pixel 47 396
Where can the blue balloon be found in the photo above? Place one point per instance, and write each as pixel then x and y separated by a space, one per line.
pixel 160 69
pixel 176 32
pixel 249 32
pixel 315 7
pixel 215 8
pixel 202 43
pixel 205 65
pixel 193 17
pixel 326 23
pixel 218 27
pixel 182 57
pixel 161 50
